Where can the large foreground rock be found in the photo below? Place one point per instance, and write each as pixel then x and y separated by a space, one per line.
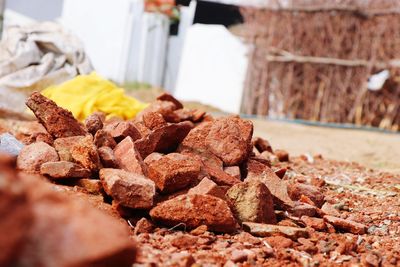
pixel 195 210
pixel 65 230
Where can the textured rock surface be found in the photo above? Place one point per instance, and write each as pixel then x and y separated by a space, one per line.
pixel 127 157
pixel 85 153
pixel 128 189
pixel 173 172
pixel 346 225
pixel 208 187
pixel 230 139
pixel 313 193
pixel 63 169
pixel 251 202
pixel 64 146
pixel 57 121
pixel 194 211
pixel 259 229
pixel 276 186
pixel 34 155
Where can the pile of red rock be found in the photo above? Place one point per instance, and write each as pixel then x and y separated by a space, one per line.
pixel 177 168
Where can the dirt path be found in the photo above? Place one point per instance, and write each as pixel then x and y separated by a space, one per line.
pixel 372 149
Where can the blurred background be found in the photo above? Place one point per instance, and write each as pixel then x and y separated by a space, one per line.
pixel 309 62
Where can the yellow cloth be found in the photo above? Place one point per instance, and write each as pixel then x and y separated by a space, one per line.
pixel 86 94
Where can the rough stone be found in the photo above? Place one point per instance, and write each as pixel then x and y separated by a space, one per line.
pixel 276 186
pixel 315 223
pixel 163 140
pixel 128 189
pixel 208 187
pixel 63 169
pixel 58 122
pixel 170 98
pixel 251 202
pixel 328 209
pixel 120 130
pixel 313 193
pixel 230 139
pixel 165 108
pixel 194 211
pixel 195 140
pixel 264 230
pixel 143 226
pixel 346 225
pixel 301 209
pixel 104 138
pixel 153 120
pixel 94 122
pixel 219 176
pixel 84 152
pixel 40 137
pixel 34 155
pixel 233 171
pixel 262 145
pixel 90 186
pixel 64 146
pixel 107 157
pixel 127 157
pixel 173 172
pixel 283 155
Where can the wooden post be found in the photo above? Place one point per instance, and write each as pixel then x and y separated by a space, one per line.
pixel 2 7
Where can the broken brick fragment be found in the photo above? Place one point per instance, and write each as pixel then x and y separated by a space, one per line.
pixel 346 225
pixel 264 230
pixel 34 155
pixel 233 171
pixel 230 139
pixel 128 189
pixel 219 176
pixel 127 157
pixel 63 169
pixel 251 202
pixel 104 138
pixel 153 120
pixel 107 157
pixel 208 187
pixel 170 98
pixel 315 223
pixel 313 193
pixel 276 186
pixel 120 130
pixel 143 226
pixel 90 186
pixel 163 140
pixel 94 122
pixel 58 122
pixel 165 108
pixel 173 172
pixel 195 140
pixel 84 152
pixel 283 155
pixel 262 145
pixel 40 137
pixel 64 146
pixel 195 210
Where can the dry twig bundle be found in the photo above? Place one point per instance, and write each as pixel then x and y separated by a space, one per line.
pixel 312 61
